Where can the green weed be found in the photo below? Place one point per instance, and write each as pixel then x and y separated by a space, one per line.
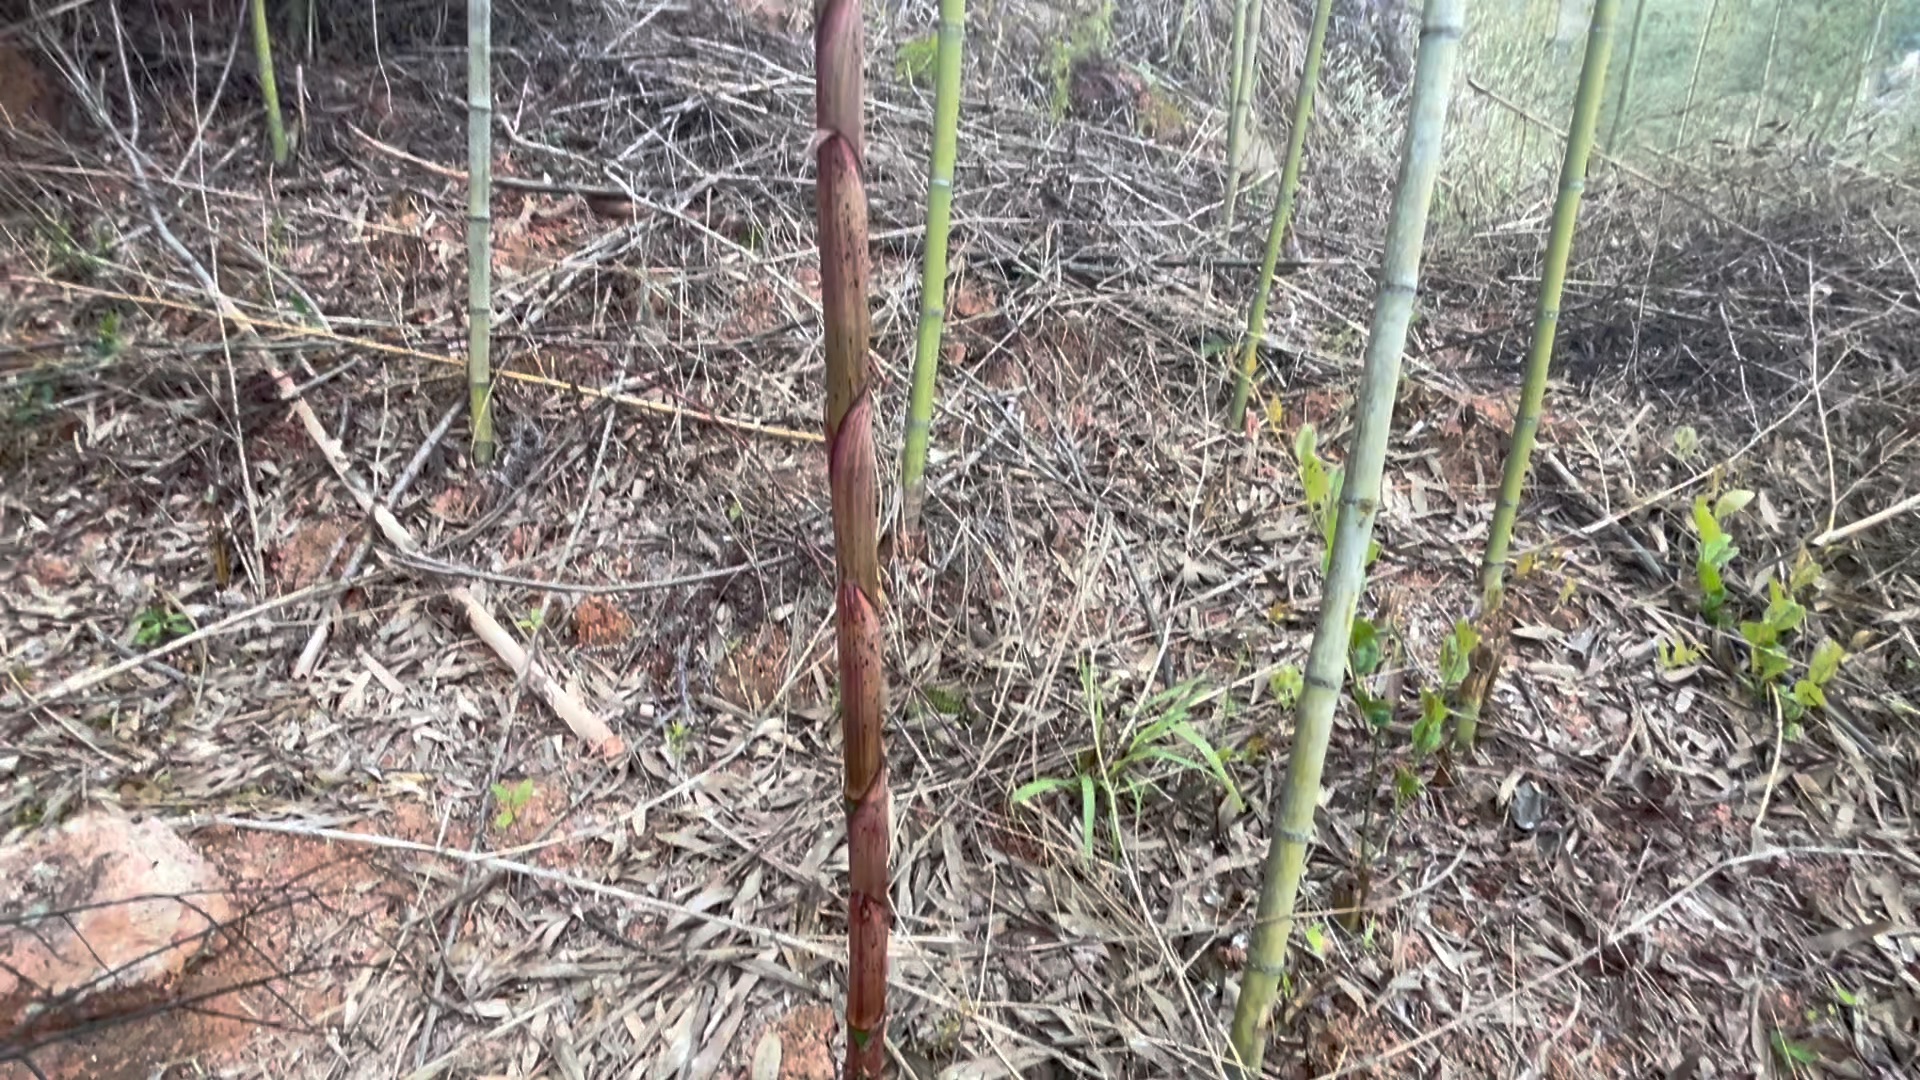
pixel 1675 655
pixel 1124 763
pixel 679 738
pixel 1716 550
pixel 1769 656
pixel 1090 38
pixel 107 341
pixel 158 625
pixel 508 801
pixel 1285 686
pixel 1686 443
pixel 914 64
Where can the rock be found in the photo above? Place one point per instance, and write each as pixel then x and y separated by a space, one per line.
pixel 806 1051
pixel 101 917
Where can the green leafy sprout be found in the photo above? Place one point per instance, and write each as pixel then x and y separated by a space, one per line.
pixel 1717 549
pixel 508 801
pixel 679 736
pixel 158 625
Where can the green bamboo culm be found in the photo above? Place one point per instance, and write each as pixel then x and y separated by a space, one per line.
pixel 480 227
pixel 933 268
pixel 1242 14
pixel 1292 830
pixel 1626 77
pixel 263 54
pixel 1282 212
pixel 1546 322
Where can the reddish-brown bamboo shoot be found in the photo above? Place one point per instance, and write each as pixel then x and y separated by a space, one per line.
pixel 839 88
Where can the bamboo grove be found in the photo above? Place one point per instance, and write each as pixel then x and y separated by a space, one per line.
pixel 843 240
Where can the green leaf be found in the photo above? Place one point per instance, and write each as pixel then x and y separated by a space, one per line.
pixel 1033 789
pixel 1760 635
pixel 503 821
pixel 1806 572
pixel 1086 816
pixel 1177 700
pixel 1731 503
pixel 1303 444
pixel 1718 552
pixel 1792 1053
pixel 1431 729
pixel 1710 605
pixel 1407 784
pixel 1285 685
pixel 1704 522
pixel 915 63
pixel 1315 938
pixel 1199 742
pixel 1770 663
pixel 1784 613
pixel 1826 662
pixel 1157 753
pixel 1807 694
pixel 1363 648
pixel 1456 654
pixel 1376 711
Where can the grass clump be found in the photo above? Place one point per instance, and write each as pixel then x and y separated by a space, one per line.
pixel 1130 763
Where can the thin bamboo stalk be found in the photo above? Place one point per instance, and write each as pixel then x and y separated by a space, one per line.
pixel 839 90
pixel 1546 323
pixel 1242 12
pixel 480 227
pixel 1626 76
pixel 1857 77
pixel 1359 502
pixel 1282 212
pixel 263 55
pixel 1766 74
pixel 1242 112
pixel 933 269
pixel 1693 80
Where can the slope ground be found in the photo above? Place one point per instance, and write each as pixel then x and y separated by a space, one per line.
pixel 1642 872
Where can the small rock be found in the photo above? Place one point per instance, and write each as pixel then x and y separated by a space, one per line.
pixel 1529 806
pixel 109 913
pixel 806 1036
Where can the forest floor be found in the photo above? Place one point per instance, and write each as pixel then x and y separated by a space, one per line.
pixel 1643 871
